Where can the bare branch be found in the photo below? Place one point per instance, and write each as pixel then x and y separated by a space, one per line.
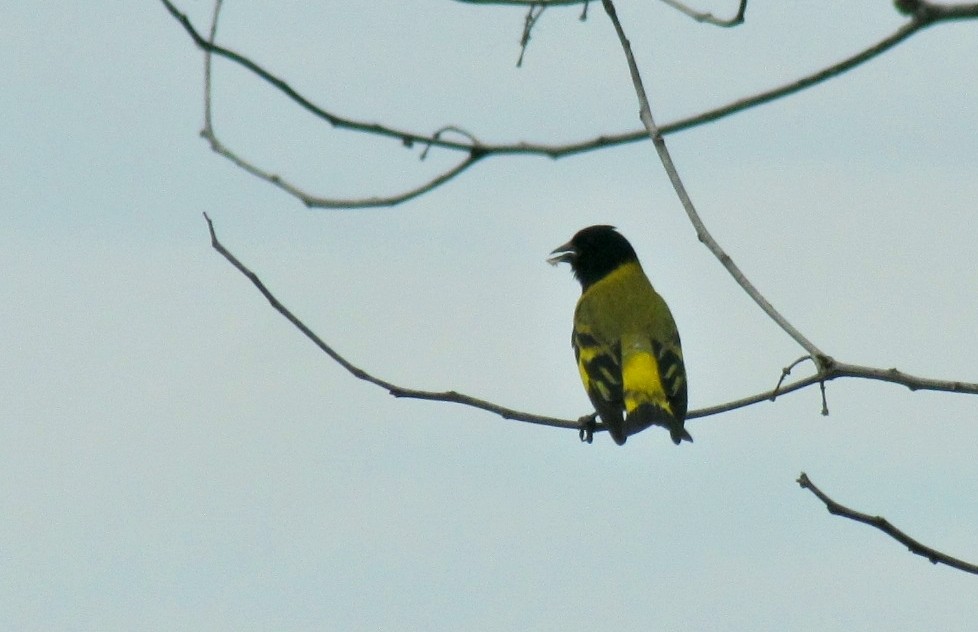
pixel 586 423
pixel 532 15
pixel 837 370
pixel 393 389
pixel 357 372
pixel 827 368
pixel 309 199
pixel 927 14
pixel 935 556
pixel 895 376
pixel 645 114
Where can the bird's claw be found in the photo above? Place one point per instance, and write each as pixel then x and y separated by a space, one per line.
pixel 586 432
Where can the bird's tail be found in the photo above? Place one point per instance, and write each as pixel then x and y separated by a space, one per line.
pixel 648 414
pixel 679 433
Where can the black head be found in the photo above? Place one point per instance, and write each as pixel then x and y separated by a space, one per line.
pixel 594 252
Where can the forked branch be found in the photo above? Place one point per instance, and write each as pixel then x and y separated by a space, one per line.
pixel 645 114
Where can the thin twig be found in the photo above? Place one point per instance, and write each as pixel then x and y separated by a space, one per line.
pixel 709 18
pixel 825 401
pixel 786 371
pixel 929 14
pixel 449 128
pixel 935 556
pixel 532 15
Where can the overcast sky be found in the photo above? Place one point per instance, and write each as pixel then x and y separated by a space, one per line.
pixel 175 455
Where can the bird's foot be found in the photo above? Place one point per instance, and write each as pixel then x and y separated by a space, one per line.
pixel 588 425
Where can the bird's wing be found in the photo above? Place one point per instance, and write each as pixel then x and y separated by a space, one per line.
pixel 599 364
pixel 670 357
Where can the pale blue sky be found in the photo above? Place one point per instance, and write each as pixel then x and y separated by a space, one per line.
pixel 175 455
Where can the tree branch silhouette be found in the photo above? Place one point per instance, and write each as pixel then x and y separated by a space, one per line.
pixel 357 372
pixel 827 368
pixel 645 114
pixel 835 371
pixel 884 525
pixel 922 14
pixel 825 365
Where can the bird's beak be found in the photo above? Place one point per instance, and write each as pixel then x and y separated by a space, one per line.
pixel 563 254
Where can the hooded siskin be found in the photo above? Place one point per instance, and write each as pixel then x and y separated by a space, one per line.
pixel 625 339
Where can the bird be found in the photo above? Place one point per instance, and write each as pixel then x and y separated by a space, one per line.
pixel 624 337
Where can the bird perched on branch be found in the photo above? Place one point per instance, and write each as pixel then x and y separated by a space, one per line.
pixel 625 340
